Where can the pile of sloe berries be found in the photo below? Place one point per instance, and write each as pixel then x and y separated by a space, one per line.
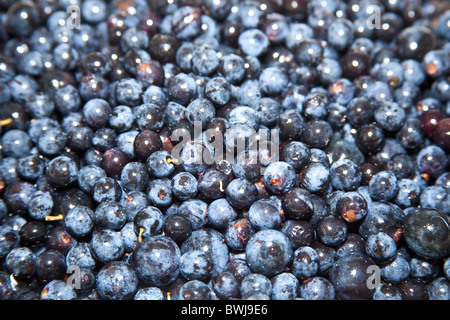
pixel 351 200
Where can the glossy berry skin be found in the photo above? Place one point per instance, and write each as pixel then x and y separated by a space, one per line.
pixel 305 262
pixel 9 240
pixel 385 217
pixel 439 289
pixel 349 277
pixel 238 233
pixel 132 202
pixel 149 73
pixel 195 290
pixel 426 233
pixel 134 176
pixel 148 117
pixel 80 255
pixel 317 288
pixel 255 283
pixel 184 186
pixel 106 189
pixel 21 262
pixel 253 42
pixel 297 203
pixel 352 206
pixel 279 177
pixel 296 154
pixel 353 244
pixel 265 214
pixel 156 261
pixel 15 143
pixel 78 138
pixel 150 219
pixel 420 35
pixel 163 47
pixel 273 247
pixel 396 271
pixel 107 245
pixel 345 175
pixel 150 293
pixel 32 233
pixel 57 290
pixel 87 177
pixel 432 161
pixel 225 285
pixel 30 167
pixel 212 183
pixel 412 289
pixel 360 111
pixel 291 124
pixel 113 162
pixel 146 143
pixel 370 138
pixel 79 221
pixel 331 230
pixel 61 172
pixel 182 89
pixel 317 133
pixel 408 193
pixel 96 112
pixel 17 196
pixel 381 247
pixel 241 193
pixel 109 215
pixel 220 213
pixel 441 133
pixel 178 228
pixel 50 265
pixel 60 239
pixel 195 211
pixel 116 281
pixel 40 205
pixel 435 197
pixel 401 165
pixel 383 186
pixel 387 292
pixel 186 22
pixel 314 177
pixel 211 242
pixel 300 233
pixel 195 265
